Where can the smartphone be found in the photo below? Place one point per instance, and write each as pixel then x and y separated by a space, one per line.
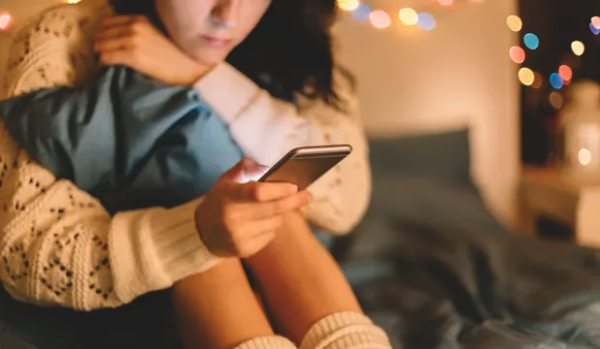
pixel 302 166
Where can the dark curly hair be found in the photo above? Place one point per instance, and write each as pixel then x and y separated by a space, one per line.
pixel 288 53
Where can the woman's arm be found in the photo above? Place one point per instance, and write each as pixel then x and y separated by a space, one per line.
pixel 266 128
pixel 58 245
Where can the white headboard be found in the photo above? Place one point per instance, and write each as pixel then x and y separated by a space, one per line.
pixel 458 74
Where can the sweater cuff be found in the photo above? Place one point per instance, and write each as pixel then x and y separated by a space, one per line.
pixel 227 91
pixel 178 245
pixel 163 246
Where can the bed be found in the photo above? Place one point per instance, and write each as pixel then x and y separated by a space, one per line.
pixel 436 269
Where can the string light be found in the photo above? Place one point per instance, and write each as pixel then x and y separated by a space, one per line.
pixel 517 54
pixel 362 12
pixel 578 48
pixel 408 16
pixel 514 23
pixel 426 21
pixel 526 76
pixel 380 19
pixel 5 21
pixel 596 22
pixel 556 100
pixel 565 72
pixel 556 81
pixel 531 41
pixel 537 80
pixel 346 5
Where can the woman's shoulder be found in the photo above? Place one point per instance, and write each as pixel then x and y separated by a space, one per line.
pixel 54 47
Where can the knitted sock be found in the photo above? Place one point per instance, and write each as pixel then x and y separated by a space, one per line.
pixel 345 331
pixel 267 342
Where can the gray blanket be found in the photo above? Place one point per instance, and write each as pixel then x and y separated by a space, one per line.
pixel 433 285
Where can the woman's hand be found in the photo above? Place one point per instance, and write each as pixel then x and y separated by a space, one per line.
pixel 134 42
pixel 239 219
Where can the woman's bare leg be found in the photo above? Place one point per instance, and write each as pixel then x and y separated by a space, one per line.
pixel 299 280
pixel 218 309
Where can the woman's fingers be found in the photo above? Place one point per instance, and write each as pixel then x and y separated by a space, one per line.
pixel 113 44
pixel 265 210
pixel 121 20
pixel 263 192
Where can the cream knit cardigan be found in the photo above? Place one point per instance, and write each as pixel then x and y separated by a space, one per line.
pixel 60 247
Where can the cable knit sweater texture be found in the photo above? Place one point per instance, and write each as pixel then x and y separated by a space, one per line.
pixel 60 247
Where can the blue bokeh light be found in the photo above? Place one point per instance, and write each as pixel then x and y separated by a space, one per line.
pixel 556 81
pixel 362 12
pixel 594 30
pixel 531 41
pixel 426 21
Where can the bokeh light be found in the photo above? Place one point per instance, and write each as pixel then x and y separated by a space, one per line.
pixel 526 76
pixel 408 16
pixel 347 5
pixel 5 21
pixel 362 12
pixel 584 156
pixel 426 21
pixel 538 80
pixel 531 41
pixel 596 22
pixel 556 100
pixel 514 23
pixel 380 19
pixel 594 30
pixel 578 48
pixel 556 81
pixel 565 72
pixel 517 54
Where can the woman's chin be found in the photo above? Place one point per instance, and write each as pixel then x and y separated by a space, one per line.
pixel 210 58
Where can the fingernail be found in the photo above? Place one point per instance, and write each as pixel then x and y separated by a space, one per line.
pixel 293 189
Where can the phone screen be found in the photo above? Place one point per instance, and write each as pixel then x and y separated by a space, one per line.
pixel 303 170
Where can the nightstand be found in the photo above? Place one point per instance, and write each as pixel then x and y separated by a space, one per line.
pixel 546 196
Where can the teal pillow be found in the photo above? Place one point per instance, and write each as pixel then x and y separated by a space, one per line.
pixel 427 178
pixel 438 155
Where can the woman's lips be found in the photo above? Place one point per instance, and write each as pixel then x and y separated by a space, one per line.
pixel 216 42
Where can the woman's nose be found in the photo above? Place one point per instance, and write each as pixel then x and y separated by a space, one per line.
pixel 225 13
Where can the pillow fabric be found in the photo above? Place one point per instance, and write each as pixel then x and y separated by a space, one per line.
pixel 427 178
pixel 444 156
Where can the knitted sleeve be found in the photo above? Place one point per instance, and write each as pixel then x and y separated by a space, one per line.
pixel 341 196
pixel 58 245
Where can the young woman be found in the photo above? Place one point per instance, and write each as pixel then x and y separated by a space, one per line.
pixel 71 237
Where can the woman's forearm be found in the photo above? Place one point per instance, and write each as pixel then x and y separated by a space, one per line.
pixel 266 128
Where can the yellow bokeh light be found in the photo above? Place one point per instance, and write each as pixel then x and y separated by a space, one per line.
pixel 578 47
pixel 347 5
pixel 408 16
pixel 73 1
pixel 514 23
pixel 584 156
pixel 526 76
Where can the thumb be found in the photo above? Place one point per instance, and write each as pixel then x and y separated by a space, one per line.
pixel 245 170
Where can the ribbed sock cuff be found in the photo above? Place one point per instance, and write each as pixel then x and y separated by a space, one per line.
pixel 345 331
pixel 267 342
